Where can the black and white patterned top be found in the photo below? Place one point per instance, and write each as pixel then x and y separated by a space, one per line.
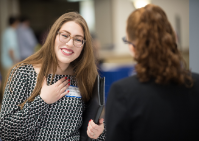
pixel 38 120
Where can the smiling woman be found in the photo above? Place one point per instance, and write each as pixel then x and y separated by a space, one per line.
pixel 45 94
pixel 68 43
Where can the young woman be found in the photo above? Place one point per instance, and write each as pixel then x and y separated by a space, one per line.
pixel 160 102
pixel 45 94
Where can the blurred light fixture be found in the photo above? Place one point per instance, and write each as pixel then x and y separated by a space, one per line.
pixel 140 3
pixel 74 0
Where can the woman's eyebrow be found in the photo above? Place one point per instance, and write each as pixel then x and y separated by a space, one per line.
pixel 79 36
pixel 65 31
pixel 70 33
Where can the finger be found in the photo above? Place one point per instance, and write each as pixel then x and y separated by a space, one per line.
pixel 65 93
pixel 60 81
pixel 90 127
pixel 90 135
pixel 94 127
pixel 89 132
pixel 101 121
pixel 64 89
pixel 65 83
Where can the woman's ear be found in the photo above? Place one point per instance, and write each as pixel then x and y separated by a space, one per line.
pixel 132 50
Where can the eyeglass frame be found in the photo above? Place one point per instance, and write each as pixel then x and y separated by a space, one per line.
pixel 70 39
pixel 127 42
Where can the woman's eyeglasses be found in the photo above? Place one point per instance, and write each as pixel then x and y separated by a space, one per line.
pixel 126 41
pixel 65 37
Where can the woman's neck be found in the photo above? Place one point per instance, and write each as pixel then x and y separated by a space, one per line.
pixel 64 69
pixel 61 69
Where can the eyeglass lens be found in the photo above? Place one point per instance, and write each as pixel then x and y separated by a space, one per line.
pixel 65 38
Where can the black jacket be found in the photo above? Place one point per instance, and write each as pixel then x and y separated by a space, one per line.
pixel 138 111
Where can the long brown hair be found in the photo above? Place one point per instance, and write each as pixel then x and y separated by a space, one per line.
pixel 156 50
pixel 84 66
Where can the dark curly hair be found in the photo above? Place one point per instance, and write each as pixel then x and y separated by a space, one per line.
pixel 156 50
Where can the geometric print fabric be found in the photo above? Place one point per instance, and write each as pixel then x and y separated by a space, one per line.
pixel 39 121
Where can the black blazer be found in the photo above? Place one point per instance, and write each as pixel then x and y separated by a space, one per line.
pixel 150 112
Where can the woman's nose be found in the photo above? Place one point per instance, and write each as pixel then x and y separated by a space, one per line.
pixel 70 43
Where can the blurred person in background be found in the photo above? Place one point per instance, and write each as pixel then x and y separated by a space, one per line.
pixel 160 102
pixel 26 38
pixel 96 47
pixel 0 89
pixel 45 95
pixel 10 50
pixel 0 80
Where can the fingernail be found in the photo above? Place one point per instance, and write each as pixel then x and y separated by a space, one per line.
pixel 69 84
pixel 89 120
pixel 65 77
pixel 68 79
pixel 68 91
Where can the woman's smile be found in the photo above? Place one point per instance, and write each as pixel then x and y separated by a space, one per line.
pixel 66 51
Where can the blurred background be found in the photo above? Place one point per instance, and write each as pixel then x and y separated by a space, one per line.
pixel 107 22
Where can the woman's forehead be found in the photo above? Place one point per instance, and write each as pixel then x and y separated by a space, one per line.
pixel 73 28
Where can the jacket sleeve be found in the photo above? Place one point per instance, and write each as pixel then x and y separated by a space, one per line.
pixel 117 117
pixel 16 123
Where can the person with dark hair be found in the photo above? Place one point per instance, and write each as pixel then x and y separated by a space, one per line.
pixel 0 89
pixel 45 94
pixel 160 102
pixel 0 80
pixel 10 51
pixel 26 38
pixel 13 21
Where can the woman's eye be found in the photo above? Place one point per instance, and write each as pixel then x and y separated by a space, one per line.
pixel 65 36
pixel 78 40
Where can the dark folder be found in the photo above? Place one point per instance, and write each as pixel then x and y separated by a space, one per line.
pixel 94 107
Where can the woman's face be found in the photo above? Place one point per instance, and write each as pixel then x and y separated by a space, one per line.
pixel 67 52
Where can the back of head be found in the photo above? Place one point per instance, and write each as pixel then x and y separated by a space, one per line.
pixel 24 19
pixel 156 49
pixel 12 20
